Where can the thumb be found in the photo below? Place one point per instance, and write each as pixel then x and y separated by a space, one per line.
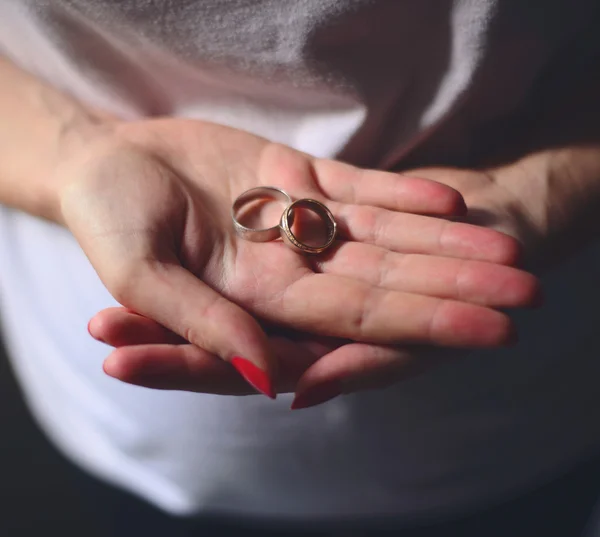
pixel 171 295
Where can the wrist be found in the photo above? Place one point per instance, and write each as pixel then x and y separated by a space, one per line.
pixel 40 128
pixel 555 199
pixel 78 141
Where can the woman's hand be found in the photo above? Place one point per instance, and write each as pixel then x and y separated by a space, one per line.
pixel 149 355
pixel 412 267
pixel 543 200
pixel 150 206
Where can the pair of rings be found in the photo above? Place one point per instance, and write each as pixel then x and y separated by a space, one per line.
pixel 284 227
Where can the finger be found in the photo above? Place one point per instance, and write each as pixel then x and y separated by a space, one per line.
pixel 186 367
pixel 408 233
pixel 344 307
pixel 159 365
pixel 477 282
pixel 347 184
pixel 175 367
pixel 175 298
pixel 121 327
pixel 358 367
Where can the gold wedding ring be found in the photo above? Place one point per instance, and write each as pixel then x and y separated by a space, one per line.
pixel 287 220
pixel 284 228
pixel 258 193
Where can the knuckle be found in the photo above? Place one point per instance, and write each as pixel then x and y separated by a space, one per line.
pixel 438 321
pixel 443 232
pixel 380 228
pixel 386 268
pixel 363 220
pixel 192 334
pixel 216 320
pixel 462 279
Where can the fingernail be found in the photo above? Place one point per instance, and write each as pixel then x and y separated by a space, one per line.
pixel 317 395
pixel 90 333
pixel 111 367
pixel 255 376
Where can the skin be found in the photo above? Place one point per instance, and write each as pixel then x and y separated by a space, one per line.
pixel 318 370
pixel 405 274
pixel 544 191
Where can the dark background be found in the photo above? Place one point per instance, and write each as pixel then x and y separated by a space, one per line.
pixel 40 493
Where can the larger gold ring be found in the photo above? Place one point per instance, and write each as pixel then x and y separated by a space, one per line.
pixel 287 220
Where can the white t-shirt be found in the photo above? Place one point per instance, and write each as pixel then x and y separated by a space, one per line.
pixel 367 81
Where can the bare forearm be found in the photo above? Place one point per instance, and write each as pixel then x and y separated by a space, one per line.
pixel 556 185
pixel 39 127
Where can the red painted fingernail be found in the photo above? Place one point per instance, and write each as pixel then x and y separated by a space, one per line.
pixel 317 395
pixel 255 376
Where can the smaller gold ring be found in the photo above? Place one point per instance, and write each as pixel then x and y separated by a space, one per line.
pixel 259 192
pixel 287 220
